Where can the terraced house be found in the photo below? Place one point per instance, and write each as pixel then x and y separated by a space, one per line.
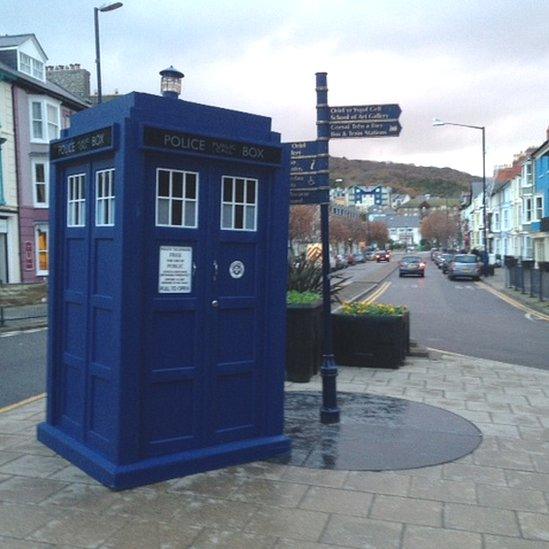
pixel 33 111
pixel 539 204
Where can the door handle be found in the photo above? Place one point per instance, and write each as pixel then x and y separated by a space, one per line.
pixel 216 268
pixel 215 303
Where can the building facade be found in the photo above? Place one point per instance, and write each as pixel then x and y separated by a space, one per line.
pixel 40 110
pixel 10 271
pixel 539 207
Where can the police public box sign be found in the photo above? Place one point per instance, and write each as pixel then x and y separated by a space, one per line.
pixel 85 143
pixel 210 146
pixel 175 270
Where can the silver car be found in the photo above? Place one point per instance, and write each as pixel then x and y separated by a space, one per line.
pixel 464 266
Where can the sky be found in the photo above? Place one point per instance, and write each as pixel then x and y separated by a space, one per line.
pixel 482 62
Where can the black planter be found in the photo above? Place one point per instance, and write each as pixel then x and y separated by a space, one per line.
pixel 527 263
pixel 303 341
pixel 370 341
pixel 544 266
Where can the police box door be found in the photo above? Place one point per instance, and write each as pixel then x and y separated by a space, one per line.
pixel 204 303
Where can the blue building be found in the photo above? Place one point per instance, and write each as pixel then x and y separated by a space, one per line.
pixel 540 202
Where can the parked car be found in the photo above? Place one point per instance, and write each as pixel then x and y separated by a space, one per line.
pixel 359 257
pixel 464 266
pixel 369 255
pixel 445 263
pixel 382 255
pixel 341 262
pixel 435 256
pixel 351 259
pixel 441 258
pixel 411 265
pixel 433 252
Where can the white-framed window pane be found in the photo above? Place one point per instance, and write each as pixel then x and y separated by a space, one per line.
pixel 250 218
pixel 25 63
pixel 238 203
pixel 104 198
pixel 227 216
pixel 190 213
pixel 37 69
pixel 40 183
pixel 76 201
pixel 176 198
pixel 53 121
pixel 42 252
pixel 163 212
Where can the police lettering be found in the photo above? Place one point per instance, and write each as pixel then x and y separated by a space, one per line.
pixel 184 142
pixel 252 152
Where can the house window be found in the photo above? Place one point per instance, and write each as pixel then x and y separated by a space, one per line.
pixel 76 200
pixel 239 204
pixel 32 67
pixel 538 207
pixel 40 183
pixel 41 245
pixel 176 198
pixel 45 120
pixel 25 63
pixel 104 198
pixel 527 209
pixel 37 69
pixel 37 120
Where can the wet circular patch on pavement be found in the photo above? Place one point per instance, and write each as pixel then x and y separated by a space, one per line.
pixel 376 433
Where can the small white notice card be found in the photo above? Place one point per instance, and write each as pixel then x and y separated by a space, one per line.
pixel 175 270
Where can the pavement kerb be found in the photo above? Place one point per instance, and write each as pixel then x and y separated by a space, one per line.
pixel 518 297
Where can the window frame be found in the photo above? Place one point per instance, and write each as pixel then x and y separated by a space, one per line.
pixel 43 227
pixel 527 211
pixel 110 198
pixel 537 212
pixel 183 199
pixel 80 202
pixel 21 64
pixel 35 183
pixel 233 203
pixel 44 120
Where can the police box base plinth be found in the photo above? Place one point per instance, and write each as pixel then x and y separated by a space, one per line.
pixel 156 469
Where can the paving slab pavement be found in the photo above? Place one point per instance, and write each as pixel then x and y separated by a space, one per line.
pixel 498 496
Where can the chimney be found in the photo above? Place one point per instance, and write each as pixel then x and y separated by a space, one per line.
pixel 71 77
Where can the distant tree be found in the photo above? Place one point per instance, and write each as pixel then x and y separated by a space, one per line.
pixel 442 227
pixel 302 223
pixel 378 233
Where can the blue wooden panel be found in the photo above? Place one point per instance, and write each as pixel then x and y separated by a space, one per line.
pixel 235 405
pixel 105 258
pixel 103 338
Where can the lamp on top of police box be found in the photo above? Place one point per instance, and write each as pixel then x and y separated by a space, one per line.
pixel 170 83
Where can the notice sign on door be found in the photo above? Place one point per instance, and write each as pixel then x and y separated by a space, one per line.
pixel 175 270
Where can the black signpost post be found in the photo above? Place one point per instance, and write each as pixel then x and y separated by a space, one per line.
pixel 310 184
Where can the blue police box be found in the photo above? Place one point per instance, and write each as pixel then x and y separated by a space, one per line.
pixel 167 290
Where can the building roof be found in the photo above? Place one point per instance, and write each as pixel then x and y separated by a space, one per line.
pixel 15 40
pixel 44 87
pixel 398 221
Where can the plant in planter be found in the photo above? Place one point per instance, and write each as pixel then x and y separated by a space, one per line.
pixel 304 318
pixel 371 335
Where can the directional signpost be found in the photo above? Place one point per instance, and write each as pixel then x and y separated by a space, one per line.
pixel 309 182
pixel 308 171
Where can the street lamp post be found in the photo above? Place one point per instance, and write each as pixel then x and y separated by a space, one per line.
pixel 437 122
pixel 105 7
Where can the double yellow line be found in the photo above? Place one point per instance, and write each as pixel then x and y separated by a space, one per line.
pixel 514 303
pixel 378 293
pixel 21 403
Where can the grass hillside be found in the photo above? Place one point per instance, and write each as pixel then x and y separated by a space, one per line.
pixel 403 178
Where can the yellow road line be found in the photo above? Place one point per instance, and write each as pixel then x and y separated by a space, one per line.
pixel 378 293
pixel 514 303
pixel 22 403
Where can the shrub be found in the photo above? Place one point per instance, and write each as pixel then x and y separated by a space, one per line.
pixel 372 309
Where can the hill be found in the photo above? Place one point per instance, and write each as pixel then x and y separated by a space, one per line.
pixel 403 178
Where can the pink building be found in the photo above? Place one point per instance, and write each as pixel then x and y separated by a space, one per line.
pixel 41 109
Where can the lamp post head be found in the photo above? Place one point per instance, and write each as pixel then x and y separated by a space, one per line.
pixel 438 122
pixel 110 7
pixel 170 83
